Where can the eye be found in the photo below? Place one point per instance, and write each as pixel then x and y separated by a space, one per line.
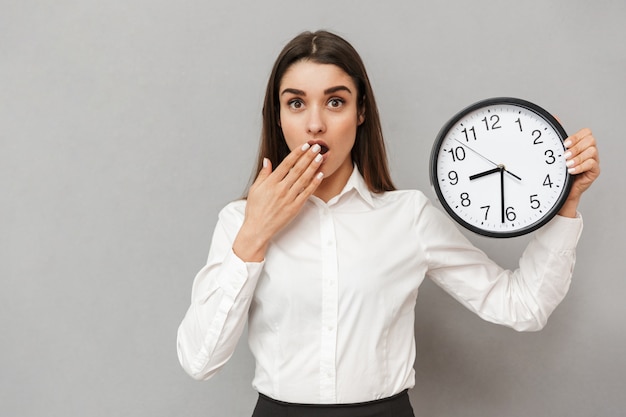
pixel 335 102
pixel 295 104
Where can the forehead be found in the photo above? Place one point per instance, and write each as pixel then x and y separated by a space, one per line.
pixel 312 75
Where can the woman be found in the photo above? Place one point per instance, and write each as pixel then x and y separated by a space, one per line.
pixel 324 258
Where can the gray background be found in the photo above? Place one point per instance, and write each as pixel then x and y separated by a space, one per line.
pixel 126 125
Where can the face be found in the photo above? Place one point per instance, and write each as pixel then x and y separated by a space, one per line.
pixel 319 105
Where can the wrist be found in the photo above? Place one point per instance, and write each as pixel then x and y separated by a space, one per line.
pixel 570 208
pixel 249 246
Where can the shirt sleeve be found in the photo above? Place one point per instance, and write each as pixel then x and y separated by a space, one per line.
pixel 221 295
pixel 522 299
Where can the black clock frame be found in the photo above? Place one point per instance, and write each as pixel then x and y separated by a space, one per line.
pixel 539 111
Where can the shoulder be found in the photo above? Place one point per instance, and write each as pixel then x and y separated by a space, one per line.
pixel 409 204
pixel 233 211
pixel 416 198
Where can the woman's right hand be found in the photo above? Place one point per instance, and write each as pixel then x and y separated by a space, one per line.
pixel 275 198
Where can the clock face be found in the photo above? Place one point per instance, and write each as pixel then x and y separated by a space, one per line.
pixel 498 167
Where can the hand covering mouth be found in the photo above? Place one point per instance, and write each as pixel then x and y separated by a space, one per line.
pixel 323 146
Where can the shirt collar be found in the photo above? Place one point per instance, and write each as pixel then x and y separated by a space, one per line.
pixel 357 183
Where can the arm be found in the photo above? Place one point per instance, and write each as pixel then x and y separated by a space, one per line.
pixel 224 288
pixel 221 296
pixel 524 298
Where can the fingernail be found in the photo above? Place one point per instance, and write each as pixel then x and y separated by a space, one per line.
pixel 316 148
pixel 265 162
pixel 567 143
pixel 319 157
pixel 569 163
pixel 567 155
pixel 571 170
pixel 305 146
pixel 319 175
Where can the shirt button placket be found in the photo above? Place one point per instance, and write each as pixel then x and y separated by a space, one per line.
pixel 329 309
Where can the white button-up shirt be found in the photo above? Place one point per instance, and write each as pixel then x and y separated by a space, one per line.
pixel 330 310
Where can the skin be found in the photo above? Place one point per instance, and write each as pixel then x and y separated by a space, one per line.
pixel 583 162
pixel 318 110
pixel 318 106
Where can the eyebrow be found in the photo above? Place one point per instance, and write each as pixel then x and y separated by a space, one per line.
pixel 330 90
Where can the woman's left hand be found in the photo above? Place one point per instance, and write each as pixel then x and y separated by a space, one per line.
pixel 584 164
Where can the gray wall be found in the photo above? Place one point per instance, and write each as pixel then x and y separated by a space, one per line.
pixel 126 125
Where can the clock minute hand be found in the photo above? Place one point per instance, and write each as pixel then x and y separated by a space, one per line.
pixel 487 159
pixel 502 191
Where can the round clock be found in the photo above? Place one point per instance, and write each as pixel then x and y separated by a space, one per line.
pixel 498 167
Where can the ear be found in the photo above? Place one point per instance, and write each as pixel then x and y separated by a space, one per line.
pixel 361 117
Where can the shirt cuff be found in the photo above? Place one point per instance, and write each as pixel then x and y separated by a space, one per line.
pixel 561 233
pixel 243 277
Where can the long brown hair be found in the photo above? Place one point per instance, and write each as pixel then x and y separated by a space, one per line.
pixel 322 47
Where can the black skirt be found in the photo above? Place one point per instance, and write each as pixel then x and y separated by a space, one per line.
pixel 396 406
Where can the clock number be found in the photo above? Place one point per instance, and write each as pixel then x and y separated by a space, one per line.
pixel 486 208
pixel 457 153
pixel 547 182
pixel 519 122
pixel 453 177
pixel 467 139
pixel 494 125
pixel 550 154
pixel 537 141
pixel 510 214
pixel 534 202
pixel 465 201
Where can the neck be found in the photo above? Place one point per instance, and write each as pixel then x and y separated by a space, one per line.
pixel 334 183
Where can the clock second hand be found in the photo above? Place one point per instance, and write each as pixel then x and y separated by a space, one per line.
pixel 488 160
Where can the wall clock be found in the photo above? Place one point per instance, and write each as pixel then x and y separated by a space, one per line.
pixel 498 167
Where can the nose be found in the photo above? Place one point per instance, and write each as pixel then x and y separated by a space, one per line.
pixel 315 122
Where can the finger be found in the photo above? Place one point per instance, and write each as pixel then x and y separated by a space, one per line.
pixel 312 157
pixel 287 164
pixel 576 138
pixel 587 166
pixel 578 143
pixel 307 176
pixel 310 188
pixel 265 171
pixel 582 153
pixel 585 161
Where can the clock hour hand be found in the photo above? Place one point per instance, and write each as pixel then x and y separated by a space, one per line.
pixel 501 170
pixel 484 173
pixel 488 160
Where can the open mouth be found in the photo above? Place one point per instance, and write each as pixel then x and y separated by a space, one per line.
pixel 322 145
